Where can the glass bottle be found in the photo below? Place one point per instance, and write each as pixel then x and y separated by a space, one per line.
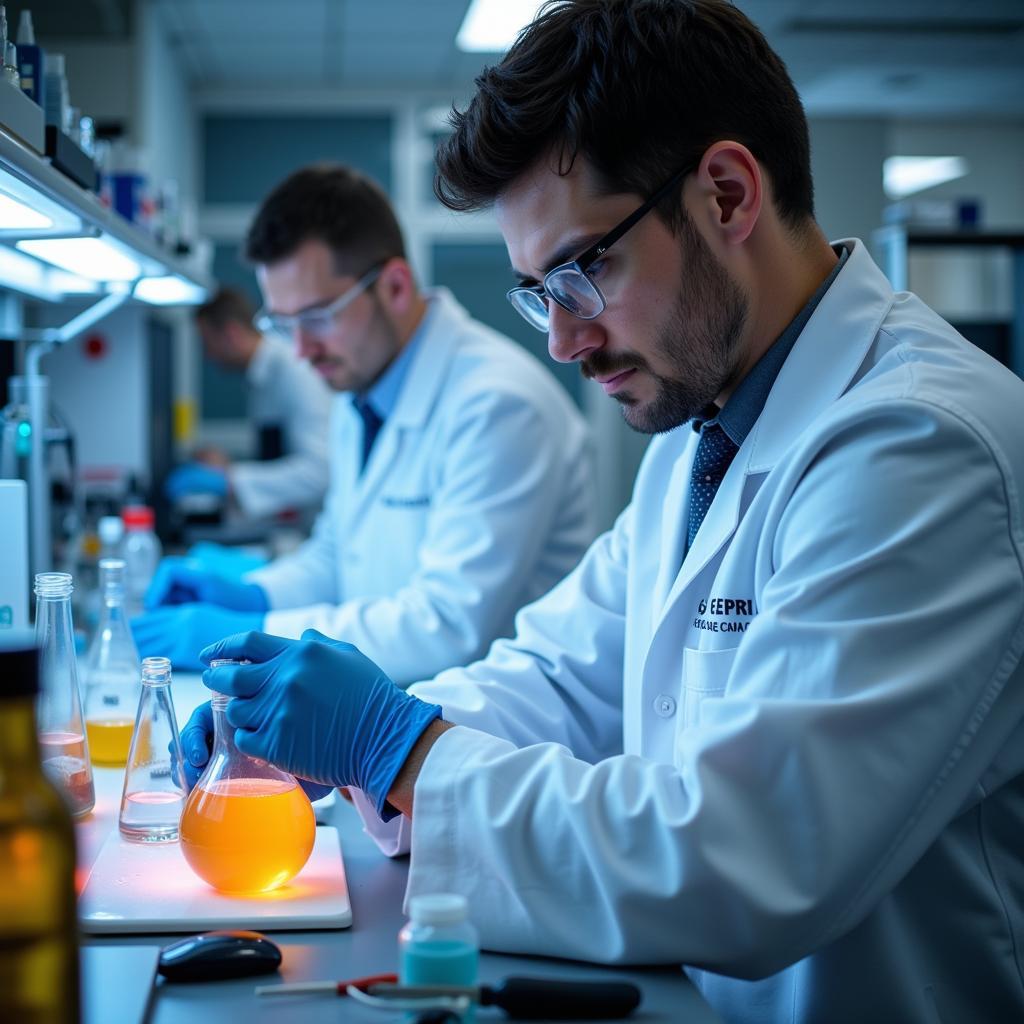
pixel 247 826
pixel 154 781
pixel 438 946
pixel 62 741
pixel 111 674
pixel 38 926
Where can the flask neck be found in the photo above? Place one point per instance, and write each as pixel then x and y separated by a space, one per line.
pixel 225 756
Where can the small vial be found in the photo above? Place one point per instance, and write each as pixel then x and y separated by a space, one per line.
pixel 154 783
pixel 439 946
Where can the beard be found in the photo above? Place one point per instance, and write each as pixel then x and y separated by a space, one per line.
pixel 700 341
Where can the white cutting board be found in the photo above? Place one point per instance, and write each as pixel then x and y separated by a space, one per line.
pixel 135 887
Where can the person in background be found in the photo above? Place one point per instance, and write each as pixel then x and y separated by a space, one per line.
pixel 289 405
pixel 772 727
pixel 461 485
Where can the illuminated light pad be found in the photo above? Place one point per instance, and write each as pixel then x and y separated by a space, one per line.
pixel 135 887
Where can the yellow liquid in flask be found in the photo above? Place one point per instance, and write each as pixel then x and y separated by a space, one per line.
pixel 109 741
pixel 247 835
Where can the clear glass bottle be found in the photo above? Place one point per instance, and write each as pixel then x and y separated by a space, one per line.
pixel 111 674
pixel 62 740
pixel 154 781
pixel 38 925
pixel 141 551
pixel 438 946
pixel 247 826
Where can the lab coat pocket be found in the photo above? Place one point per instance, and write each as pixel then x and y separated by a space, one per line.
pixel 705 674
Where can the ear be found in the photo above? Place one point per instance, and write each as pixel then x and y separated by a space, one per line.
pixel 395 286
pixel 732 190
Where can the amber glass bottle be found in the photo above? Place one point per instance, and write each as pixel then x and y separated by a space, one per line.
pixel 38 926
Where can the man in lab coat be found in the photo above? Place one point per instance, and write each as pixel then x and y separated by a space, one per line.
pixel 288 403
pixel 461 487
pixel 772 726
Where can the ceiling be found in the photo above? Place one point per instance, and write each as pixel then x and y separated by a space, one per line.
pixel 849 57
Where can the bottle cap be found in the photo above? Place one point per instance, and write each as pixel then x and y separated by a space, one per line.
pixel 137 517
pixel 19 664
pixel 55 64
pixel 438 908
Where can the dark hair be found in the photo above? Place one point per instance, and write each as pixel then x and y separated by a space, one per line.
pixel 228 305
pixel 332 204
pixel 640 89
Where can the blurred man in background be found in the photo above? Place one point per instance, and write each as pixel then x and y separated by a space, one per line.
pixel 288 405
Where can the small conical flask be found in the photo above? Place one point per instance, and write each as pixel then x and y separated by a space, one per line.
pixel 247 826
pixel 111 674
pixel 62 741
pixel 154 783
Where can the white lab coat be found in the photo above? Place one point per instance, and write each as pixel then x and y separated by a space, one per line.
pixel 795 759
pixel 476 499
pixel 285 390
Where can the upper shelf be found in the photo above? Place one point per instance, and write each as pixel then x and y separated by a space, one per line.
pixel 60 240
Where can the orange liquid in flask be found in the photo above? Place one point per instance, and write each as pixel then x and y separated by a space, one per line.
pixel 109 740
pixel 247 835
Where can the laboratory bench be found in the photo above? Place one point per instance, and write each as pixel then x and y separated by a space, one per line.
pixel 117 969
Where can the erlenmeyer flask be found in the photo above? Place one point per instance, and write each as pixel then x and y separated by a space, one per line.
pixel 154 784
pixel 62 741
pixel 111 674
pixel 247 826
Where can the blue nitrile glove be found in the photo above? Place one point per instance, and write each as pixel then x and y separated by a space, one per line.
pixel 180 581
pixel 181 632
pixel 319 709
pixel 195 478
pixel 197 744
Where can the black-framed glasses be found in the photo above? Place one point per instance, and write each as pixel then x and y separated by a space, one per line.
pixel 570 284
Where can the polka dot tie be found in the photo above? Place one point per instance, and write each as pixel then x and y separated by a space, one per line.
pixel 371 426
pixel 715 452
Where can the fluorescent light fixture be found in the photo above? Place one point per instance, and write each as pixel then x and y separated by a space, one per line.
pixel 25 275
pixel 491 26
pixel 905 175
pixel 15 216
pixel 98 259
pixel 24 208
pixel 169 291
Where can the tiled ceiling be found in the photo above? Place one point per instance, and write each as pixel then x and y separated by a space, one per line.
pixel 929 57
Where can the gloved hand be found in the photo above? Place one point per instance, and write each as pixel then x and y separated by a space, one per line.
pixel 319 709
pixel 181 632
pixel 197 745
pixel 195 478
pixel 181 581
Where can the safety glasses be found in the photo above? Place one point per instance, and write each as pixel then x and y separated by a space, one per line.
pixel 570 284
pixel 319 320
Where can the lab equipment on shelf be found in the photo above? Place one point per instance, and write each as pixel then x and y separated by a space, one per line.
pixel 247 826
pixel 62 739
pixel 38 928
pixel 111 673
pixel 154 782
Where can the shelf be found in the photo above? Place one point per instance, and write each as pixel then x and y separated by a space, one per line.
pixel 86 228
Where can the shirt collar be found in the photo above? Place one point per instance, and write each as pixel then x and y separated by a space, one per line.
pixel 383 395
pixel 739 414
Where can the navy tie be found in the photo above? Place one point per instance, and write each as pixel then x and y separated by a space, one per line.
pixel 715 452
pixel 371 426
